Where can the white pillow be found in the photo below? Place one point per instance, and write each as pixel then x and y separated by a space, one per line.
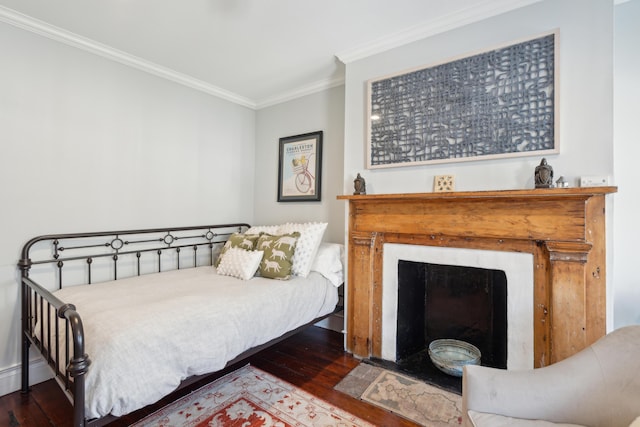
pixel 328 262
pixel 310 237
pixel 269 229
pixel 240 263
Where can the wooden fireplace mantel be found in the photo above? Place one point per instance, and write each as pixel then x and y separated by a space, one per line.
pixel 563 228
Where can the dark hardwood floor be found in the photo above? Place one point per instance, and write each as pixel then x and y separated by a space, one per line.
pixel 312 360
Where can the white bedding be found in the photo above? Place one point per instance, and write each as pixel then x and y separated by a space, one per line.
pixel 145 334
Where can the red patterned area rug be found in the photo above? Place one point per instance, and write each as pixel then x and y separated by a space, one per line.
pixel 250 397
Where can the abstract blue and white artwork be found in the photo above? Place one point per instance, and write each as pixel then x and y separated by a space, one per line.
pixel 499 103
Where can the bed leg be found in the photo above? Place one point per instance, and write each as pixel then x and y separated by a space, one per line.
pixel 24 266
pixel 25 364
pixel 79 363
pixel 77 368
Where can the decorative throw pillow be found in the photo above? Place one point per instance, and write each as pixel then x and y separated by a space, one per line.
pixel 310 237
pixel 238 240
pixel 278 255
pixel 239 263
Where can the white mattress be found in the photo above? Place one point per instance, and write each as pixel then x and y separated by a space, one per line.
pixel 145 334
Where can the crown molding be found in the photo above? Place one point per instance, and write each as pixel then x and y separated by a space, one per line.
pixel 481 11
pixel 318 86
pixel 52 32
pixel 459 18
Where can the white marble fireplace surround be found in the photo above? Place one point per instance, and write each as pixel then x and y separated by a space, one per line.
pixel 518 268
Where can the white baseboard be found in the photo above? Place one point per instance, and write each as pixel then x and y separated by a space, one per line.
pixel 11 378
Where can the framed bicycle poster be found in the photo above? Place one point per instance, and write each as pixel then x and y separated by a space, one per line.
pixel 300 168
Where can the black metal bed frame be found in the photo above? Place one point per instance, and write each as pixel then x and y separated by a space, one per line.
pixel 84 256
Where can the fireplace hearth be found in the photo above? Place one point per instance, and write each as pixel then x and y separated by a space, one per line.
pixel 563 229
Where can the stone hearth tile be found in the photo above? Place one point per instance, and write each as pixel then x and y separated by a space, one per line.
pixel 357 381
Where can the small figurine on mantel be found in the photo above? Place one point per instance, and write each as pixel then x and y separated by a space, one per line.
pixel 544 175
pixel 561 183
pixel 359 185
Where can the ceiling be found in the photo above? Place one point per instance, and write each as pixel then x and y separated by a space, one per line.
pixel 252 52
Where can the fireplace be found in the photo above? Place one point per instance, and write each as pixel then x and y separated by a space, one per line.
pixel 437 301
pixel 498 321
pixel 561 231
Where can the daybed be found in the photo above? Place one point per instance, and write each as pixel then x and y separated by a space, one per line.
pixel 125 318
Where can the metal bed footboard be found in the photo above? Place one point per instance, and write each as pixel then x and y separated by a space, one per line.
pixel 87 258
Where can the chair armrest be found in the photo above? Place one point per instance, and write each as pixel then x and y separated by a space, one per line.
pixel 559 393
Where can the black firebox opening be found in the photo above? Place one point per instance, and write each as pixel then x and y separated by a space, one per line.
pixel 445 301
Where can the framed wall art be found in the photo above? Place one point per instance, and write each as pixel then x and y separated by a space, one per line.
pixel 300 167
pixel 494 104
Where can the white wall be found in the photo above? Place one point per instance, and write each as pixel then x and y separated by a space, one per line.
pixel 88 144
pixel 321 111
pixel 585 80
pixel 626 279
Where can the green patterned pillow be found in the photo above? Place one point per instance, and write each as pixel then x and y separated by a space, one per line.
pixel 278 255
pixel 238 240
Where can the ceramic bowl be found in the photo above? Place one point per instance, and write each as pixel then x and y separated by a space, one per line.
pixel 451 355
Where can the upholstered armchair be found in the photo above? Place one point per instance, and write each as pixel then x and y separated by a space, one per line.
pixel 597 387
